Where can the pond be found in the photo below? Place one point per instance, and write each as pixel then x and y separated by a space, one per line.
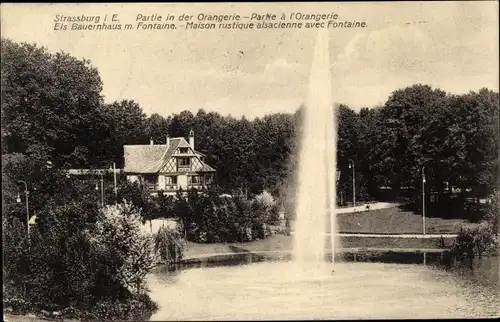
pixel 252 287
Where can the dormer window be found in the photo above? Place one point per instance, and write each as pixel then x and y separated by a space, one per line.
pixel 184 162
pixel 183 150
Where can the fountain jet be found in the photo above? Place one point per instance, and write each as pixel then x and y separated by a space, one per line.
pixel 316 192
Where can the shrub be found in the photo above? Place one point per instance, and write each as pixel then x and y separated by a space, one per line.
pixel 15 245
pixel 266 199
pixel 212 218
pixel 169 245
pixel 483 237
pixel 474 239
pixel 81 264
pixel 130 253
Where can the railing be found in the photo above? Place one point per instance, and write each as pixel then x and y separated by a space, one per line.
pixel 152 186
pixel 183 168
pixel 175 187
pixel 171 187
pixel 197 186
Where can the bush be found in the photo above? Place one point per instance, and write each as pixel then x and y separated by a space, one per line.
pixel 169 245
pixel 85 266
pixel 15 245
pixel 483 237
pixel 119 241
pixel 212 218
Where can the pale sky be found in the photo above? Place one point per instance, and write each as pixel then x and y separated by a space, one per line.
pixel 450 45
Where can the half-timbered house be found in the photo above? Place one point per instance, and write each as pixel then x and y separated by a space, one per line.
pixel 169 167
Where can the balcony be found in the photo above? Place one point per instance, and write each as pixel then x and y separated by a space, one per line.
pixel 171 187
pixel 183 168
pixel 152 186
pixel 198 186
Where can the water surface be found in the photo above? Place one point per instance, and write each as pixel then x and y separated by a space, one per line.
pixel 276 290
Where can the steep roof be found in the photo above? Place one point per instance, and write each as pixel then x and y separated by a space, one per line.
pixel 143 158
pixel 206 168
pixel 151 158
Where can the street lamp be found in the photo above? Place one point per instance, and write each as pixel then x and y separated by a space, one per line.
pixel 114 178
pixel 102 189
pixel 18 199
pixel 353 181
pixel 423 193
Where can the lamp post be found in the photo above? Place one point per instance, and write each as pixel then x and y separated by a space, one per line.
pixel 353 181
pixel 423 194
pixel 102 189
pixel 26 192
pixel 114 177
pixel 115 188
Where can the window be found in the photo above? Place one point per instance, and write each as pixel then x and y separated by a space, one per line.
pixel 184 162
pixel 183 150
pixel 171 180
pixel 194 180
pixel 150 180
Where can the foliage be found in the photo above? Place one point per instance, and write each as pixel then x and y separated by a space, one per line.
pixel 137 195
pixel 169 245
pixel 483 237
pixel 210 217
pixel 51 101
pixel 118 237
pixel 15 243
pixel 266 199
pixel 82 260
pixel 128 125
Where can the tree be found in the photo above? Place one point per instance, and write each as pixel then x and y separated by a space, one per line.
pixel 181 124
pixel 347 133
pixel 399 148
pixel 463 139
pixel 53 101
pixel 128 126
pixel 157 128
pixel 366 149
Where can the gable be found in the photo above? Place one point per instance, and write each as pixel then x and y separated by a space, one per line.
pixel 196 164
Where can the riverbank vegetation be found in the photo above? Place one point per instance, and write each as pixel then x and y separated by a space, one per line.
pixel 481 238
pixel 207 216
pixel 83 263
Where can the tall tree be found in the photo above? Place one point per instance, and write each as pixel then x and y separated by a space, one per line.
pixel 52 100
pixel 157 128
pixel 399 149
pixel 128 124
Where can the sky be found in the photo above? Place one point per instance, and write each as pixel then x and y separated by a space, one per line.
pixel 450 45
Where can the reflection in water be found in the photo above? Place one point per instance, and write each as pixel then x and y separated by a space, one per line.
pixel 270 290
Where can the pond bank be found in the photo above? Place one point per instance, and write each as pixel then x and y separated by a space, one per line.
pixel 284 243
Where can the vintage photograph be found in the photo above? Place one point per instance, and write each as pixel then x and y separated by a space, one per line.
pixel 250 161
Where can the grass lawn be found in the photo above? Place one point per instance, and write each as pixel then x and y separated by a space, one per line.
pixel 382 221
pixel 25 318
pixel 394 221
pixel 285 243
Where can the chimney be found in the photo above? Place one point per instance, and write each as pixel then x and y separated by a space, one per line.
pixel 168 141
pixel 191 139
pixel 151 141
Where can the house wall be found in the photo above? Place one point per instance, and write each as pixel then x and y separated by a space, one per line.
pixel 133 178
pixel 182 181
pixel 161 182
